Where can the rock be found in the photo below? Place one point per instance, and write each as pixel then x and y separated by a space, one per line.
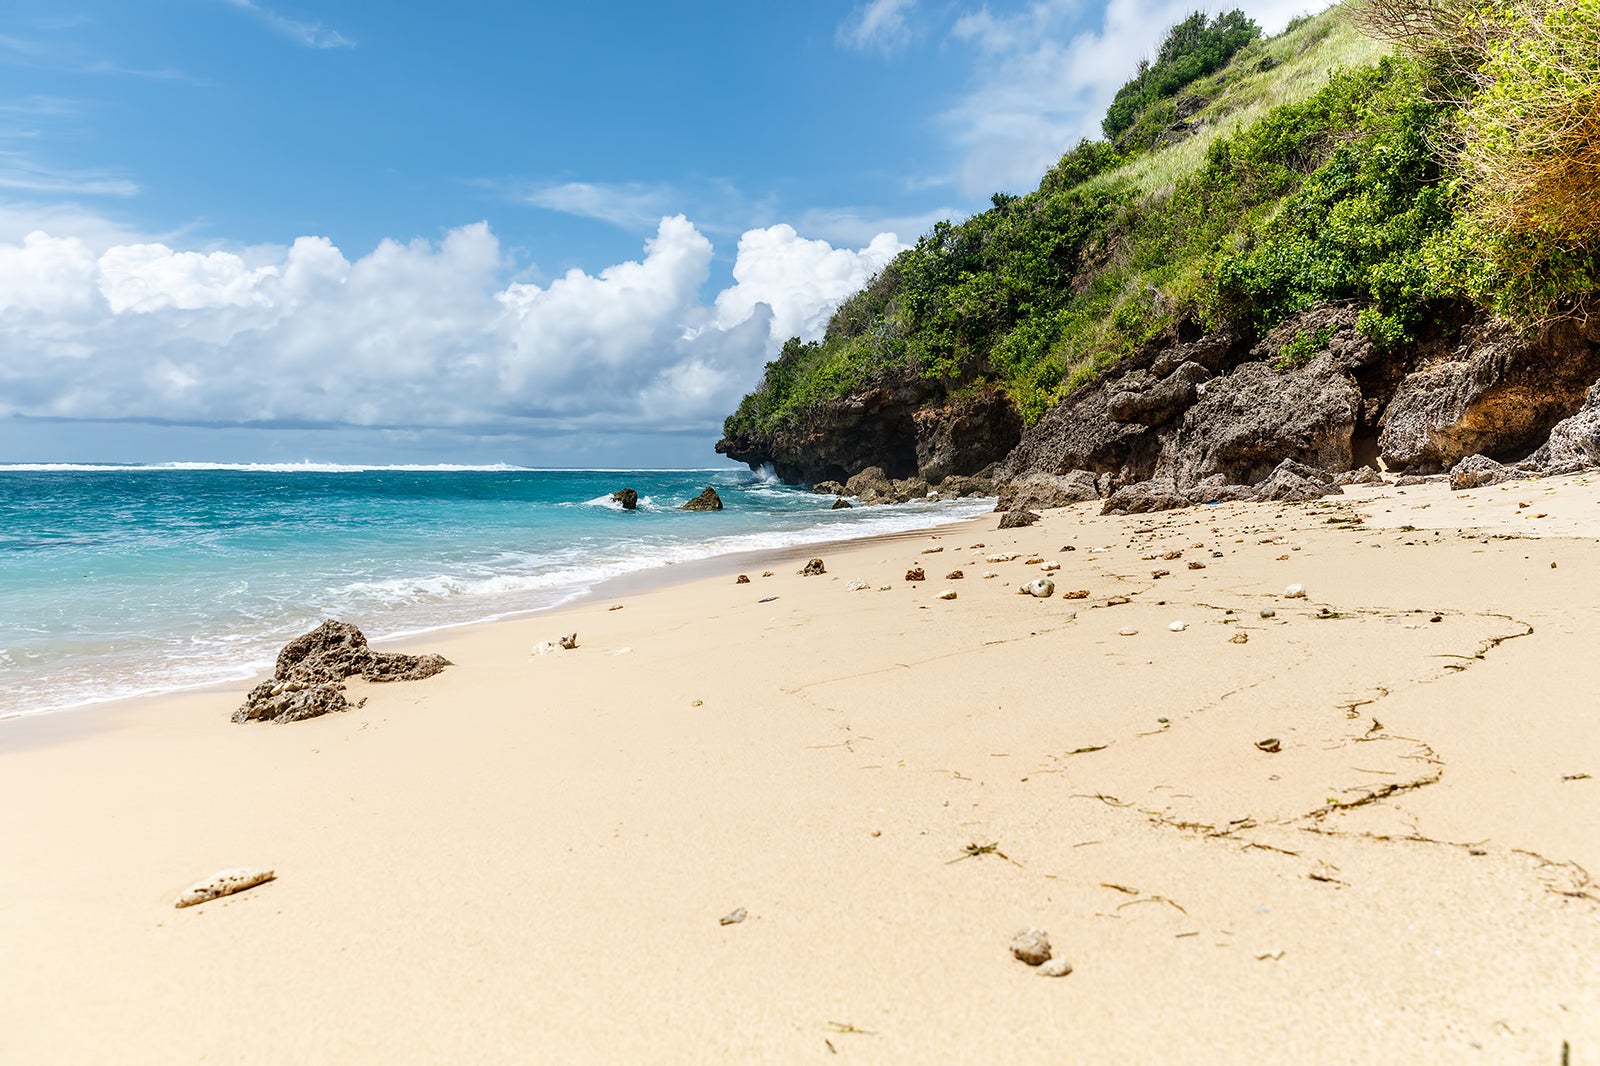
pixel 708 500
pixel 833 488
pixel 1503 399
pixel 1240 637
pixel 1196 564
pixel 916 574
pixel 1268 612
pixel 1574 442
pixel 1036 490
pixel 310 669
pixel 948 594
pixel 1127 631
pixel 841 504
pixel 568 642
pixel 954 575
pixel 1160 402
pixel 1002 557
pixel 545 647
pixel 1363 475
pixel 224 883
pixel 627 497
pixel 1177 627
pixel 1032 946
pixel 871 485
pixel 1017 519
pixel 858 586
pixel 1476 471
pixel 1041 587
pixel 1056 967
pixel 1144 497
pixel 1292 482
pixel 1294 592
pixel 933 551
pixel 812 568
pixel 1271 745
pixel 987 574
pixel 742 579
pixel 1076 594
pixel 962 485
pixel 733 917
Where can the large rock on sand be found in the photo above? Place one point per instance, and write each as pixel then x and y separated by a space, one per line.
pixel 307 679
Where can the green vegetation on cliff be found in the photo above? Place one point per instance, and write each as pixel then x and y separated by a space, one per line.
pixel 1457 171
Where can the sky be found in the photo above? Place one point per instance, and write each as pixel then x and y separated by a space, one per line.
pixel 542 234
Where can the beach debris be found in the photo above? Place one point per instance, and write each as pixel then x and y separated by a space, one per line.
pixel 916 574
pixel 1041 587
pixel 766 573
pixel 615 607
pixel 933 551
pixel 569 642
pixel 1032 946
pixel 224 883
pixel 1075 594
pixel 1240 637
pixel 742 579
pixel 307 680
pixel 885 588
pixel 1127 631
pixel 954 575
pixel 1294 592
pixel 1047 567
pixel 1056 967
pixel 1017 519
pixel 1271 745
pixel 1171 555
pixel 545 647
pixel 1177 627
pixel 858 585
pixel 733 917
pixel 1196 564
pixel 1268 612
pixel 697 703
pixel 708 500
pixel 948 594
pixel 1003 557
pixel 1580 776
pixel 987 574
pixel 1033 560
pixel 766 599
pixel 812 568
pixel 628 498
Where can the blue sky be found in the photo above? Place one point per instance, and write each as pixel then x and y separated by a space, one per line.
pixel 494 232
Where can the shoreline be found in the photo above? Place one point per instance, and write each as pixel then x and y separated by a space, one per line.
pixel 529 857
pixel 645 580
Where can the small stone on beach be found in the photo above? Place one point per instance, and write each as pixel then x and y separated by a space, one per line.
pixel 1057 967
pixel 1127 631
pixel 812 568
pixel 916 574
pixel 1294 592
pixel 1177 627
pixel 1268 612
pixel 733 918
pixel 948 594
pixel 224 883
pixel 1239 638
pixel 1041 587
pixel 1032 946
pixel 742 579
pixel 858 585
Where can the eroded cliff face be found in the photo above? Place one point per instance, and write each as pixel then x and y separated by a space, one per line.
pixel 910 429
pixel 1198 417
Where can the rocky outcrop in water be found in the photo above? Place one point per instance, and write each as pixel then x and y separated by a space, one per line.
pixel 307 680
pixel 708 500
pixel 628 498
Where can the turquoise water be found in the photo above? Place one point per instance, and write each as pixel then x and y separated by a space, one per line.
pixel 121 580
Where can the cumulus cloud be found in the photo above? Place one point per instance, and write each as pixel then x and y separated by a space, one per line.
pixel 1043 79
pixel 425 335
pixel 878 25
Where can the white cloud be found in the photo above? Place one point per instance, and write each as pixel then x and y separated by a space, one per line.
pixel 425 335
pixel 879 25
pixel 800 280
pixel 1042 80
pixel 628 205
pixel 310 34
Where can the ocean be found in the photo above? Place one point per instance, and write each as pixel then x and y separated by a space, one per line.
pixel 118 581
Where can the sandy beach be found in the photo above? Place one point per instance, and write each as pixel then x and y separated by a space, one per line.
pixel 526 858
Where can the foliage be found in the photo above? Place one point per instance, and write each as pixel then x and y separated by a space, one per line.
pixel 1192 49
pixel 1303 348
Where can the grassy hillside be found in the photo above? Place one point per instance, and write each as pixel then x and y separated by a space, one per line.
pixel 1320 165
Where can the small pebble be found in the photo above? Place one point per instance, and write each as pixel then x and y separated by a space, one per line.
pixel 1177 627
pixel 1268 612
pixel 742 579
pixel 1295 592
pixel 733 918
pixel 1127 631
pixel 858 585
pixel 1047 567
pixel 1031 945
pixel 227 882
pixel 1057 967
pixel 948 594
pixel 989 574
pixel 1239 638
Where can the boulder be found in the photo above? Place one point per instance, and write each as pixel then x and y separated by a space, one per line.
pixel 1574 442
pixel 1361 475
pixel 1145 496
pixel 829 488
pixel 963 485
pixel 841 504
pixel 708 500
pixel 1037 490
pixel 1157 402
pixel 1476 471
pixel 627 497
pixel 1017 519
pixel 871 485
pixel 1292 482
pixel 307 678
pixel 812 568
